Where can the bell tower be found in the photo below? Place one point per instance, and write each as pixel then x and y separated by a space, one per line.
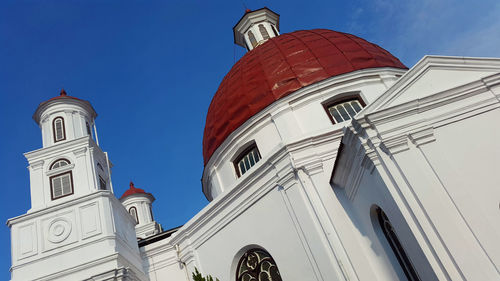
pixel 256 27
pixel 76 229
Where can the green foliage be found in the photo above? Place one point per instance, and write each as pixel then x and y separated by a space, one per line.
pixel 198 277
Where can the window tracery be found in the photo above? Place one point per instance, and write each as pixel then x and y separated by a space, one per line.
pixel 257 265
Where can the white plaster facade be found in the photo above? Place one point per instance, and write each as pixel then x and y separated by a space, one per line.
pixel 425 150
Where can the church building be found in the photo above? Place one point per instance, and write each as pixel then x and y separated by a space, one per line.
pixel 325 159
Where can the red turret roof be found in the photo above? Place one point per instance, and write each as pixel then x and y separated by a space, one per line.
pixel 62 95
pixel 281 66
pixel 133 190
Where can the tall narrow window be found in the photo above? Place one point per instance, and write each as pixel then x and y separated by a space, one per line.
pixel 151 213
pixel 133 211
pixel 344 110
pixel 61 185
pixel 263 31
pixel 251 37
pixel 397 248
pixel 102 183
pixel 274 30
pixel 89 132
pixel 58 129
pixel 257 264
pixel 246 160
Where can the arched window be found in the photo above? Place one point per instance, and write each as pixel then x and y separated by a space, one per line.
pixel 397 248
pixel 263 31
pixel 133 211
pixel 58 129
pixel 59 163
pixel 61 185
pixel 102 183
pixel 274 30
pixel 344 109
pixel 246 160
pixel 257 264
pixel 251 37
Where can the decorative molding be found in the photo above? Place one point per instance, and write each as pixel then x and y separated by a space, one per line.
pixel 58 230
pixel 37 165
pixel 80 151
pixel 422 137
pixel 60 170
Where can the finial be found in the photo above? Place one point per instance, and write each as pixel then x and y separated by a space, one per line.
pixel 247 10
pixel 63 92
pixel 132 184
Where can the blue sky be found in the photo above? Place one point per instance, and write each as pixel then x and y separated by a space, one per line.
pixel 150 69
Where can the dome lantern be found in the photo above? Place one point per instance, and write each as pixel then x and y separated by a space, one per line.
pixel 256 27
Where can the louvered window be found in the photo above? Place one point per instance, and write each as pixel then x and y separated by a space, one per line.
pixel 102 183
pixel 251 37
pixel 263 31
pixel 274 30
pixel 61 185
pixel 247 159
pixel 133 211
pixel 344 110
pixel 59 131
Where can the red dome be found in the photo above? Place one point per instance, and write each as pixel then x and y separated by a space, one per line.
pixel 281 66
pixel 133 190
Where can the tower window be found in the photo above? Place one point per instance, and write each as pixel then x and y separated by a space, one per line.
pixel 263 31
pixel 396 246
pixel 257 264
pixel 59 163
pixel 133 212
pixel 344 110
pixel 274 30
pixel 88 128
pixel 58 129
pixel 251 37
pixel 247 159
pixel 102 183
pixel 61 185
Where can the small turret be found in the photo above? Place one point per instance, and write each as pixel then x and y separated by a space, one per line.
pixel 139 205
pixel 63 118
pixel 256 27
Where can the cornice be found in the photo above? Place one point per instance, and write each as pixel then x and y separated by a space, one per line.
pixel 56 208
pixel 423 66
pixel 59 147
pixel 397 125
